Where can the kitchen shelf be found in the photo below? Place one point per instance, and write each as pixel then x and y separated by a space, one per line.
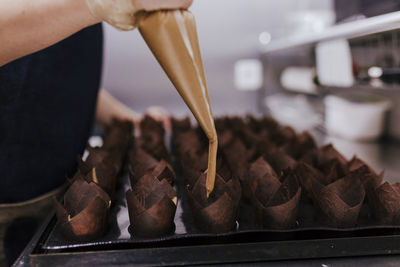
pixel 347 30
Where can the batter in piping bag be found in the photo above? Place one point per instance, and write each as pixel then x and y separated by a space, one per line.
pixel 172 37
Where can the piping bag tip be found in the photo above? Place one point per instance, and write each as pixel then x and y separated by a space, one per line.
pixel 210 182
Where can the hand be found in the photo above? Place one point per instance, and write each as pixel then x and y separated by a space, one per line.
pixel 151 5
pixel 120 13
pixel 108 107
pixel 161 115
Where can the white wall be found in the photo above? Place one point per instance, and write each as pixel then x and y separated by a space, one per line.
pixel 228 31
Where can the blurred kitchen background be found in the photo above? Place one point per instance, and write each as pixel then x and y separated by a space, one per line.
pixel 327 66
pixel 228 31
pixel 331 67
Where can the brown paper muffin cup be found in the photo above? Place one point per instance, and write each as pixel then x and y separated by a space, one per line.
pixel 151 206
pixel 385 203
pixel 276 204
pixel 340 202
pixel 218 213
pixel 84 214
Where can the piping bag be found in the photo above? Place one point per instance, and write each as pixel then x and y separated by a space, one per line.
pixel 172 37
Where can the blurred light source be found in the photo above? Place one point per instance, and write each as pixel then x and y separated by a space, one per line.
pixel 375 72
pixel 248 74
pixel 265 38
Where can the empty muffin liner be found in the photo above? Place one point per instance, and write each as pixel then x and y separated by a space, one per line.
pixel 83 216
pixel 151 206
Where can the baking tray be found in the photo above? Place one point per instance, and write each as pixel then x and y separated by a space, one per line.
pixel 247 243
pixel 186 234
pixel 187 246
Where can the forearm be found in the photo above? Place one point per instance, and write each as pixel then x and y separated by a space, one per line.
pixel 27 26
pixel 109 107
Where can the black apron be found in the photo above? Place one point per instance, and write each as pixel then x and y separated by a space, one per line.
pixel 47 108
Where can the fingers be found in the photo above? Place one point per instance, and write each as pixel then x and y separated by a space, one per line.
pixel 161 115
pixel 187 4
pixel 150 5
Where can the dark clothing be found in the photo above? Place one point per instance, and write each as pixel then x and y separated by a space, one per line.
pixel 47 107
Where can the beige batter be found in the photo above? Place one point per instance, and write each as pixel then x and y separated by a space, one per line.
pixel 172 37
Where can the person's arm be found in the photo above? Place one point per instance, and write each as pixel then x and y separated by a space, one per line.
pixel 108 107
pixel 27 26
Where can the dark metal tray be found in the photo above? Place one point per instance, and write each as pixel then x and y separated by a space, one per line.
pixel 247 243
